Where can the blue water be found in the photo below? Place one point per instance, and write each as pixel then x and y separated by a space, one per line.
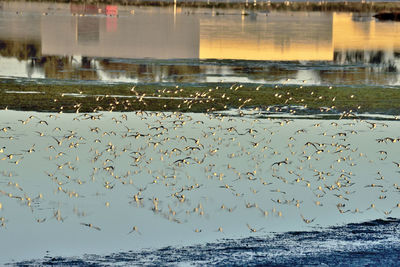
pixel 375 242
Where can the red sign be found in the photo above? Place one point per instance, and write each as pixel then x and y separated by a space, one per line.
pixel 111 10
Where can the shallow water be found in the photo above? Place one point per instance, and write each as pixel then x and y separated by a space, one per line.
pixel 191 174
pixel 272 184
pixel 354 244
pixel 77 42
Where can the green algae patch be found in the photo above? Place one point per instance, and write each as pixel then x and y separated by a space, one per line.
pixel 204 97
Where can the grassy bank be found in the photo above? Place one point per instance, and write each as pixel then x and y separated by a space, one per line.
pixel 195 98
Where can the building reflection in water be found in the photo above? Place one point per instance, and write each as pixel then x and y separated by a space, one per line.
pixel 90 42
pixel 278 36
pixel 87 32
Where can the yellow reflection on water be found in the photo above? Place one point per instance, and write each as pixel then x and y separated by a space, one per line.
pixel 275 36
pixel 266 50
pixel 342 32
pixel 360 35
pixel 177 33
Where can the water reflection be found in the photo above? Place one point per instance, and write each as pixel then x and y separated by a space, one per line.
pixel 110 181
pixel 153 45
pixel 139 36
pixel 273 36
pixel 181 178
pixel 87 31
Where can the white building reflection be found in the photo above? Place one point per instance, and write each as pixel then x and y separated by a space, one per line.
pixel 101 35
pixel 165 33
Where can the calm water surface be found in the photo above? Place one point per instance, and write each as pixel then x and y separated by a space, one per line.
pixel 180 177
pixel 111 182
pixel 80 42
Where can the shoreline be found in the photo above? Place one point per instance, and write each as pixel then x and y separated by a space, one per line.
pixel 206 97
pixel 251 5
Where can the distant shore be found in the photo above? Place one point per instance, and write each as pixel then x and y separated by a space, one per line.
pixel 252 5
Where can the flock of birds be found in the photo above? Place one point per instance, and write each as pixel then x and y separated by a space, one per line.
pixel 180 166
